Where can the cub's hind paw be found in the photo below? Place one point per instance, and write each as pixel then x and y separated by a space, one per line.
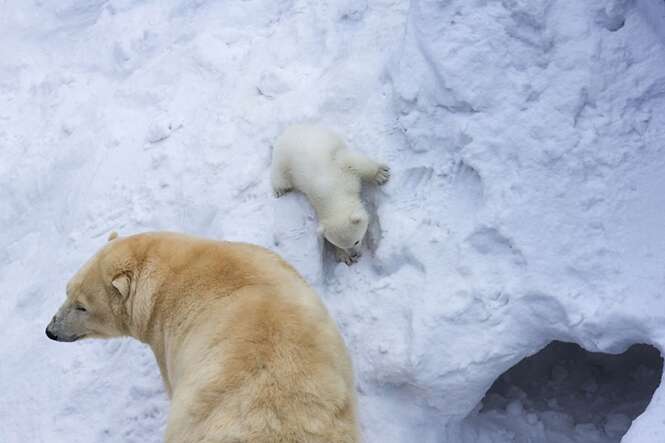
pixel 382 175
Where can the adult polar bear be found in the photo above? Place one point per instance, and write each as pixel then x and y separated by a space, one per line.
pixel 247 351
pixel 317 162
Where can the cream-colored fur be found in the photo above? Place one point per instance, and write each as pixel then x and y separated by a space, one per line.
pixel 246 349
pixel 316 161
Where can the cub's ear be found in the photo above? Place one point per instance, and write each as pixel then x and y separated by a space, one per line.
pixel 355 218
pixel 122 283
pixel 320 230
pixel 112 236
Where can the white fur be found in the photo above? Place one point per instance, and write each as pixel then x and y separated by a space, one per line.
pixel 316 161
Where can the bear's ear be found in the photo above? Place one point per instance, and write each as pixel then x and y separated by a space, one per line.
pixel 320 230
pixel 355 218
pixel 112 236
pixel 122 283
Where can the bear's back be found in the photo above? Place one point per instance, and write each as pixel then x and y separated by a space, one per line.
pixel 262 360
pixel 313 157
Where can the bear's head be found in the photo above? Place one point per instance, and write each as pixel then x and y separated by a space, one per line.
pixel 96 297
pixel 346 231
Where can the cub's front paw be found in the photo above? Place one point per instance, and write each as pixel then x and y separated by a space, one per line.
pixel 382 175
pixel 278 192
pixel 348 258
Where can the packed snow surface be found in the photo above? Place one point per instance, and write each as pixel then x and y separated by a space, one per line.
pixel 527 145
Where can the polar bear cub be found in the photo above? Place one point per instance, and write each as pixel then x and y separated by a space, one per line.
pixel 316 161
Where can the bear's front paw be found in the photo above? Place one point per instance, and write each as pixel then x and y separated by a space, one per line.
pixel 278 192
pixel 347 258
pixel 382 175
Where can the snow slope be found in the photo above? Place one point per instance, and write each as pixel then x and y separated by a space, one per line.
pixel 526 204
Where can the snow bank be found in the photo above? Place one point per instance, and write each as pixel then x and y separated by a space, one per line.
pixel 526 205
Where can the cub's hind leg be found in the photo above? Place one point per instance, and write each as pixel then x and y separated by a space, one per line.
pixel 366 168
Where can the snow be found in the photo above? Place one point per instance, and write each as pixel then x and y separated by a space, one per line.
pixel 526 140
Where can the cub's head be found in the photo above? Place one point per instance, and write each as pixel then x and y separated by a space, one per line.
pixel 346 231
pixel 96 297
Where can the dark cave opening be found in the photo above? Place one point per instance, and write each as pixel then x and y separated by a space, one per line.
pixel 564 393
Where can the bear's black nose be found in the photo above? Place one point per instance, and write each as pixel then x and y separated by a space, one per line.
pixel 50 335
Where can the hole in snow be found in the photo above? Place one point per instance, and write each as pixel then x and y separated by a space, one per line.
pixel 565 394
pixel 612 18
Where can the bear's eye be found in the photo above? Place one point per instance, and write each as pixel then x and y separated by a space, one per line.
pixel 81 308
pixel 356 243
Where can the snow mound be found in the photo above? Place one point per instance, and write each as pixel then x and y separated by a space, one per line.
pixel 527 147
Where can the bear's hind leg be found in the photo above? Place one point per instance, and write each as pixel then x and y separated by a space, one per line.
pixel 367 168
